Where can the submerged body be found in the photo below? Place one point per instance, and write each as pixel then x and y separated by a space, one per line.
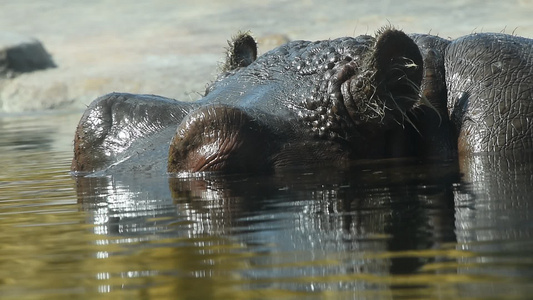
pixel 326 102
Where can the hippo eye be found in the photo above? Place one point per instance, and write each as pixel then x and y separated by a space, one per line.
pixel 359 83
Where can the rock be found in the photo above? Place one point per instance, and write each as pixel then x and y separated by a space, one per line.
pixel 21 54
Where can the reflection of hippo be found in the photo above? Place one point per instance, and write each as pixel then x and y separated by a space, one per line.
pixel 325 102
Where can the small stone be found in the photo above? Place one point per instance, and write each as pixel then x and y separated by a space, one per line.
pixel 20 54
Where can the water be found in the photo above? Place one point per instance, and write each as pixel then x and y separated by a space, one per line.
pixel 388 230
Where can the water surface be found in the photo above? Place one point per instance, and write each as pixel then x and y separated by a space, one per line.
pixel 387 230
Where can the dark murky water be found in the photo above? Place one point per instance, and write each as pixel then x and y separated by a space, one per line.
pixel 380 231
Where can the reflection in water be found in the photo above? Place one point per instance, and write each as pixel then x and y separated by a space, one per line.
pixel 393 230
pixel 494 215
pixel 320 231
pixel 382 231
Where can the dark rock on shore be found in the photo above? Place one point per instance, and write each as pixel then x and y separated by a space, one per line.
pixel 21 54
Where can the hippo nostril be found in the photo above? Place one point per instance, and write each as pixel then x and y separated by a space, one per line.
pixel 218 138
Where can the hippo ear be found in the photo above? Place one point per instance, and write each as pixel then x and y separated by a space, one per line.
pixel 399 68
pixel 242 52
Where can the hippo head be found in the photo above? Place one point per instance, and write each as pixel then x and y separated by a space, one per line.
pixel 303 103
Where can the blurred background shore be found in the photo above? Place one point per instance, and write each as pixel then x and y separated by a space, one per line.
pixel 173 48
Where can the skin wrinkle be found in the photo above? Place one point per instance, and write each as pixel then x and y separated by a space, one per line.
pixel 500 88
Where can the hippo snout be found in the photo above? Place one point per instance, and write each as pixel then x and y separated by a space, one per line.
pixel 219 138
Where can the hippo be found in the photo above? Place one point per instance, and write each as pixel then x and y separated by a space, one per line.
pixel 324 103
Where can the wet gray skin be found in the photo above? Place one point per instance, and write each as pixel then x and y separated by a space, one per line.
pixel 324 103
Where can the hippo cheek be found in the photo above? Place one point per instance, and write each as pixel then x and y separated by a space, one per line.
pixel 220 138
